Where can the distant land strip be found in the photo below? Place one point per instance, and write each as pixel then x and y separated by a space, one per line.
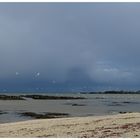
pixel 38 97
pixel 112 92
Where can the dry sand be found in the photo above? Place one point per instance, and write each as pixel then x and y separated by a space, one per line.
pixel 121 125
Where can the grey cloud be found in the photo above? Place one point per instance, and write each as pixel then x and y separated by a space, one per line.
pixel 80 43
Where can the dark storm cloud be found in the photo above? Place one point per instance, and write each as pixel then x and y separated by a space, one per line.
pixel 77 44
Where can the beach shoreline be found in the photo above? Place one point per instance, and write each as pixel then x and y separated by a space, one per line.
pixel 120 125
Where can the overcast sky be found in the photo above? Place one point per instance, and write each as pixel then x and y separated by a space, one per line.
pixel 69 46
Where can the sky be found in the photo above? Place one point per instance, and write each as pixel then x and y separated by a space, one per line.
pixel 69 47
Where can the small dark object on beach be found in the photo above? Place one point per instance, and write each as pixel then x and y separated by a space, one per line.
pixel 114 104
pixel 78 105
pixel 123 112
pixel 10 97
pixel 47 115
pixel 74 104
pixel 127 102
pixel 99 98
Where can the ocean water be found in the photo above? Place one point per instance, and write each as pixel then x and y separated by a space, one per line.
pixel 94 105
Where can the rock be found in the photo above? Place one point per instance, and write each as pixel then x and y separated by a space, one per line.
pixel 44 115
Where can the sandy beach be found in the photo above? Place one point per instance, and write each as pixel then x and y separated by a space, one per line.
pixel 121 125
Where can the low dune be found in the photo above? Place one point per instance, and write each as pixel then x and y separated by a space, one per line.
pixel 121 125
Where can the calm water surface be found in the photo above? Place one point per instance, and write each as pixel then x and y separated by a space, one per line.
pixel 95 104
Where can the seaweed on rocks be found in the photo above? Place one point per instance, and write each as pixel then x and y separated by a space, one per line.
pixel 47 115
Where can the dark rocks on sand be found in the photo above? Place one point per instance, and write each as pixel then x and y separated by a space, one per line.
pixel 115 104
pixel 78 105
pixel 123 112
pixel 130 102
pixel 2 112
pixel 47 115
pixel 74 104
pixel 99 98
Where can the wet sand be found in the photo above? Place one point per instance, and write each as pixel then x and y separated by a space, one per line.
pixel 121 125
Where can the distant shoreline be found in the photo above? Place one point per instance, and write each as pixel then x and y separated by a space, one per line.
pixel 82 92
pixel 48 96
pixel 37 96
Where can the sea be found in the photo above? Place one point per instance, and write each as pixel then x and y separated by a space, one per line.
pixel 93 105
